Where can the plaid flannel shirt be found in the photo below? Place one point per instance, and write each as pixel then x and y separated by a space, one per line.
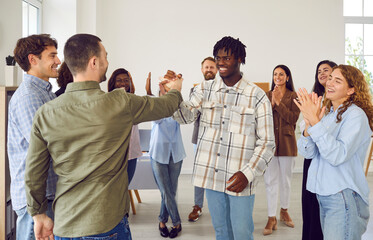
pixel 235 133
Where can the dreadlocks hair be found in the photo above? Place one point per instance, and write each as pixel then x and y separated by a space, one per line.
pixel 236 47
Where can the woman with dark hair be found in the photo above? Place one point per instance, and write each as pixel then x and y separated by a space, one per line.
pixel 121 78
pixel 279 172
pixel 310 206
pixel 64 77
pixel 336 138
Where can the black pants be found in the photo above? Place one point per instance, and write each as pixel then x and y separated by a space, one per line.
pixel 310 210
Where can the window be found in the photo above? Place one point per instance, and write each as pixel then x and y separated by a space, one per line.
pixel 358 15
pixel 31 12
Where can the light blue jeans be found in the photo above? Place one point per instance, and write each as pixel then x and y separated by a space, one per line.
pixel 119 232
pixel 25 223
pixel 166 177
pixel 232 216
pixel 343 215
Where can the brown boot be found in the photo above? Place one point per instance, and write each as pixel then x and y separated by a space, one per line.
pixel 284 217
pixel 271 225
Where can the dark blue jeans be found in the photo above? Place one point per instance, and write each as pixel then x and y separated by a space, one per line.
pixel 120 232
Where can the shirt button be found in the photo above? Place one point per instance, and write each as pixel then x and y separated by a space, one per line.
pixel 216 170
pixel 225 106
pixel 222 122
pixel 221 138
pixel 227 91
pixel 218 154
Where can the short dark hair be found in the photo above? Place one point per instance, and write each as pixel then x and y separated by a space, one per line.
pixel 64 75
pixel 236 47
pixel 289 83
pixel 317 87
pixel 111 82
pixel 33 44
pixel 79 49
pixel 208 59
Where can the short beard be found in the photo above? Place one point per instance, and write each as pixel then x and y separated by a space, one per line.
pixel 209 77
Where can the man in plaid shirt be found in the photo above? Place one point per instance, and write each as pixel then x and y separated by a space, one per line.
pixel 37 56
pixel 235 141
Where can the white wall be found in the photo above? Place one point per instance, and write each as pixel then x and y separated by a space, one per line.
pixel 154 36
pixel 10 31
pixel 147 35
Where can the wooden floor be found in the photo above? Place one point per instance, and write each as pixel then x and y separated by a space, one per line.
pixel 144 225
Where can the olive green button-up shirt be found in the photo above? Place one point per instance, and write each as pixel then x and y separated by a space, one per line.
pixel 86 131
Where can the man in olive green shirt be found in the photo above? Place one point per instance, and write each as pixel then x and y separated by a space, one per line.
pixel 86 132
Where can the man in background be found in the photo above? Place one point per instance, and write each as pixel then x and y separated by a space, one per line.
pixel 236 141
pixel 209 70
pixel 87 132
pixel 37 56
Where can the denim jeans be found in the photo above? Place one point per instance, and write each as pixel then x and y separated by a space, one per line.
pixel 343 215
pixel 166 177
pixel 198 196
pixel 119 232
pixel 232 216
pixel 131 169
pixel 25 223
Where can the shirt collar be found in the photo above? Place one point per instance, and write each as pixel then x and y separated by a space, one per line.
pixel 81 86
pixel 238 87
pixel 37 82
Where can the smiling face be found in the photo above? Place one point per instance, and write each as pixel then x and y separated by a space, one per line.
pixel 123 81
pixel 337 89
pixel 280 77
pixel 228 66
pixel 46 66
pixel 323 73
pixel 209 69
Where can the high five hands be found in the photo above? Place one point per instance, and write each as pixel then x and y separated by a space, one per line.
pixel 309 105
pixel 171 81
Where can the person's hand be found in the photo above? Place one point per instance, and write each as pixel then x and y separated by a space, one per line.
pixel 43 227
pixel 238 182
pixel 172 81
pixel 276 96
pixel 132 86
pixel 148 86
pixel 309 105
pixel 162 90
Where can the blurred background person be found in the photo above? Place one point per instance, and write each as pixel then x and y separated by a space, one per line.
pixel 209 70
pixel 310 206
pixel 121 78
pixel 64 77
pixel 279 172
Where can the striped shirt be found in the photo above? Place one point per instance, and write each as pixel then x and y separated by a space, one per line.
pixel 235 133
pixel 30 95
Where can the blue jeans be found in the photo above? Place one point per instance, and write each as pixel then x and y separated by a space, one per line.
pixel 25 223
pixel 199 193
pixel 131 169
pixel 343 215
pixel 166 177
pixel 232 216
pixel 120 232
pixel 198 196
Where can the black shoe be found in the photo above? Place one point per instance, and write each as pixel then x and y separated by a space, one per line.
pixel 175 231
pixel 163 231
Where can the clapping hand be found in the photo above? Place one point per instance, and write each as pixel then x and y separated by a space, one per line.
pixel 309 105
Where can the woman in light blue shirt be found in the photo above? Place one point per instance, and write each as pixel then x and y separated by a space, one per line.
pixel 167 154
pixel 337 141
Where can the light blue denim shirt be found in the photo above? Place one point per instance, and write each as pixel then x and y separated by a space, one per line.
pixel 30 95
pixel 165 140
pixel 338 152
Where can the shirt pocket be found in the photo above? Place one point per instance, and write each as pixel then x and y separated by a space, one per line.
pixel 242 120
pixel 211 114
